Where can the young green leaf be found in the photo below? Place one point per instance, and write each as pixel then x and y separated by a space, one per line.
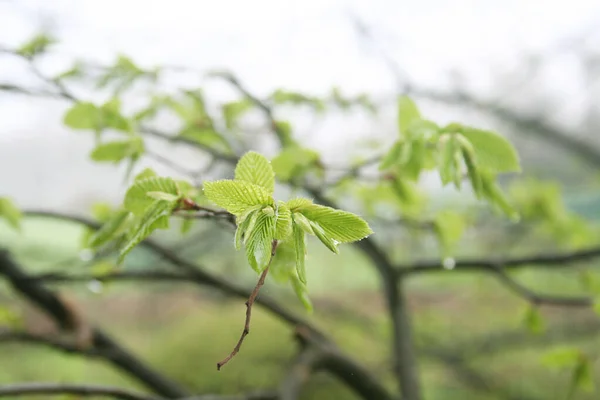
pixel 284 221
pixel 137 200
pixel 293 161
pixel 260 240
pixel 298 203
pixel 11 213
pixel 118 150
pixel 283 265
pixel 449 227
pixel 533 320
pixel 37 45
pixel 236 196
pixel 146 173
pixel 300 245
pixel 342 226
pixel 303 223
pixel 408 113
pixel 255 168
pixel 83 116
pixel 155 217
pixel 163 196
pixel 392 157
pixel 243 224
pixel 472 170
pixel 302 293
pixel 583 377
pixel 447 165
pixel 492 151
pixel 110 229
pixel 491 191
pixel 330 243
pixel 561 357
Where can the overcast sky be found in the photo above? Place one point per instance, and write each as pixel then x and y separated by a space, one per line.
pixel 309 45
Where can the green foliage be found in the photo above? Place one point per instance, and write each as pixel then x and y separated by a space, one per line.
pixel 88 116
pixel 492 151
pixel 293 162
pixel 533 320
pixel 10 213
pixel 408 114
pixel 579 364
pixel 233 111
pixel 263 224
pixel 137 200
pixel 112 228
pixel 449 227
pixel 118 150
pixel 36 46
pixel 256 169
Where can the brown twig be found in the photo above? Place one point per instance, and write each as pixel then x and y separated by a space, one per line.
pixel 249 303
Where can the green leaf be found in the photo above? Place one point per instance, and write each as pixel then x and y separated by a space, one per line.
pixel 561 357
pixel 10 213
pixel 111 117
pixel 255 168
pixel 298 203
pixel 155 217
pixel 236 196
pixel 474 175
pixel 234 110
pixel 118 150
pixel 303 223
pixel 136 199
pixel 163 196
pixel 283 227
pixel 101 268
pixel 259 241
pixel 110 229
pixel 492 191
pixel 37 45
pixel 533 320
pixel 9 317
pixel 393 155
pixel 583 376
pixel 244 222
pixel 293 162
pixel 320 233
pixel 492 151
pixel 408 113
pixel 83 115
pixel 146 173
pixel 342 226
pixel 300 245
pixel 449 227
pixel 302 293
pixel 283 265
pixel 448 148
pixel 284 133
pixel 205 136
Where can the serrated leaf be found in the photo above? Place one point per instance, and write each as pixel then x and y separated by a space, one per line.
pixel 283 265
pixel 10 213
pixel 492 151
pixel 298 203
pixel 260 241
pixel 243 224
pixel 83 115
pixel 342 226
pixel 136 199
pixel 301 293
pixel 330 243
pixel 110 229
pixel 155 217
pixel 118 150
pixel 303 223
pixel 300 246
pixel 408 113
pixel 284 221
pixel 255 168
pixel 236 196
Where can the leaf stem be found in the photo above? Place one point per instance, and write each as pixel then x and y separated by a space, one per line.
pixel 249 303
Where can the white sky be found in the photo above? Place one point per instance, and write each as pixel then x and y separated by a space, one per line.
pixel 308 45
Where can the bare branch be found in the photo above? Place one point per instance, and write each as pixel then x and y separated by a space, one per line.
pixel 28 389
pixel 559 260
pixel 48 301
pixel 26 337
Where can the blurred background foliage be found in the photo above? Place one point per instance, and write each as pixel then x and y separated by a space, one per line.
pixel 475 339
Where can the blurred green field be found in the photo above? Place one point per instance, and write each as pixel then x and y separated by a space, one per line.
pixel 184 331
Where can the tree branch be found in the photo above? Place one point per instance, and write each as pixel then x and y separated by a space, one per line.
pixel 306 362
pixel 28 389
pixel 48 301
pixel 345 368
pixel 26 337
pixel 558 260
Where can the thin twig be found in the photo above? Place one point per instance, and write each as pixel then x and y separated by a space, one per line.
pixel 36 388
pixel 249 303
